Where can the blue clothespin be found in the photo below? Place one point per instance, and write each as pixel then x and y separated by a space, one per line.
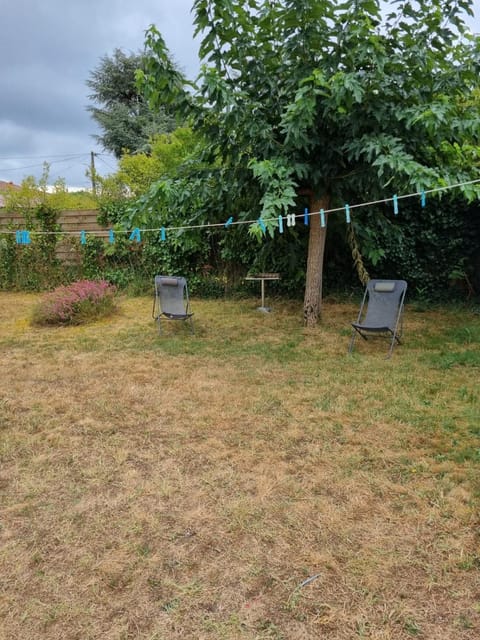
pixel 322 217
pixel 22 237
pixel 423 198
pixel 280 224
pixel 135 235
pixel 262 225
pixel 83 237
pixel 162 234
pixel 229 222
pixel 305 217
pixel 347 213
pixel 395 204
pixel 111 236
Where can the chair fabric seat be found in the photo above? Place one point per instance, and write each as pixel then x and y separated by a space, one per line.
pixel 381 311
pixel 171 300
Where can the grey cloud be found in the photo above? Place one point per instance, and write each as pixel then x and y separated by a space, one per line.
pixel 47 51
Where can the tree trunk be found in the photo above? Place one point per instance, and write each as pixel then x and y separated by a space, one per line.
pixel 312 304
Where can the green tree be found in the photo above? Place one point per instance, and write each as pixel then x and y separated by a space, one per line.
pixel 33 193
pixel 168 152
pixel 332 101
pixel 126 120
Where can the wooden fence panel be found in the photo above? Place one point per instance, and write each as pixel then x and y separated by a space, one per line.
pixel 72 222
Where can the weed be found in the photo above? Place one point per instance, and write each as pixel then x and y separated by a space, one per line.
pixel 412 627
pixel 465 622
pixel 469 563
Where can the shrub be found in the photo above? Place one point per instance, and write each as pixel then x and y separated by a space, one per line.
pixel 76 303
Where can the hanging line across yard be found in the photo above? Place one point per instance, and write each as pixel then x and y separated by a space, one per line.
pixel 290 219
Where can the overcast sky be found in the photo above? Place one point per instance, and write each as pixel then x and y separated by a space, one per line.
pixel 47 50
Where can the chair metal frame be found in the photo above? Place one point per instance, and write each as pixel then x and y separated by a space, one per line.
pixel 382 312
pixel 171 301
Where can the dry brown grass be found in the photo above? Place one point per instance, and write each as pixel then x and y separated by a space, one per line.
pixel 187 487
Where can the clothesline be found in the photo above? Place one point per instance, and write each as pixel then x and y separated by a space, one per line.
pixel 22 236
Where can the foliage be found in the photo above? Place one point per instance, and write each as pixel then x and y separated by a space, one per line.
pixel 118 263
pixel 8 261
pixel 25 199
pixel 446 235
pixel 336 100
pixel 131 265
pixel 112 211
pixel 76 303
pixel 138 172
pixel 169 151
pixel 216 260
pixel 123 115
pixel 32 192
pixel 76 200
pixel 33 266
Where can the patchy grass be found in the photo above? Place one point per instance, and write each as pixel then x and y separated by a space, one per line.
pixel 249 482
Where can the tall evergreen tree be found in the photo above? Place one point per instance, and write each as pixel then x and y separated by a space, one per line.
pixel 123 115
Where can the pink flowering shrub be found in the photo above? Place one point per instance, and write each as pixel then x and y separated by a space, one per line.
pixel 76 303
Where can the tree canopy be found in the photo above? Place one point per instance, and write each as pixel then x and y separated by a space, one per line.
pixel 330 101
pixel 124 116
pixel 168 152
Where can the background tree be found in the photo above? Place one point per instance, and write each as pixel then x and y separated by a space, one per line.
pixel 124 116
pixel 51 194
pixel 337 102
pixel 136 174
pixel 168 152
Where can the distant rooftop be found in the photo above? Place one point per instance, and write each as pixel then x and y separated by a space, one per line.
pixel 4 187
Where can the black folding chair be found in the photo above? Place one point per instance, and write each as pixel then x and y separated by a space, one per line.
pixel 171 300
pixel 381 312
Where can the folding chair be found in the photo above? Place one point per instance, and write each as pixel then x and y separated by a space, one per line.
pixel 381 312
pixel 171 300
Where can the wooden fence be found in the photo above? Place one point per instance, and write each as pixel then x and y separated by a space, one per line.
pixel 72 222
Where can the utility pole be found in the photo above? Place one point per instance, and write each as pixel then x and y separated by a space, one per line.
pixel 92 172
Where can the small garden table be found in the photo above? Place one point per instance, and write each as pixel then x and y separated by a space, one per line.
pixel 262 277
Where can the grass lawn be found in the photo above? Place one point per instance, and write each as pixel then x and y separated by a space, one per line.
pixel 252 481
